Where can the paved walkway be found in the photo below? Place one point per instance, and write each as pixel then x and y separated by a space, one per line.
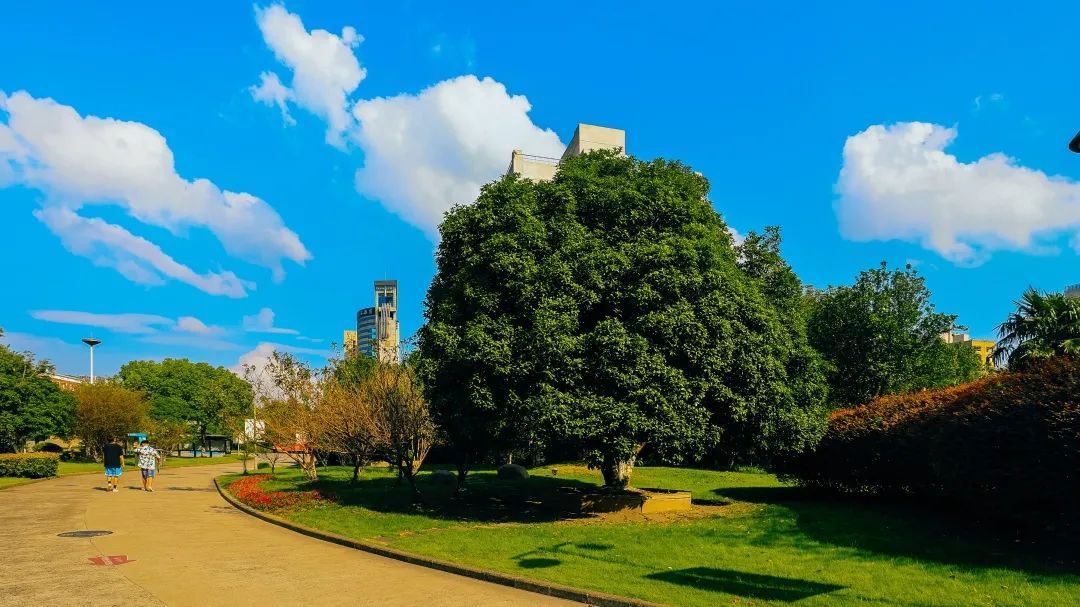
pixel 184 545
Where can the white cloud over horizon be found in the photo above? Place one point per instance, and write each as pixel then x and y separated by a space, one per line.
pixel 423 152
pixel 80 161
pixel 898 182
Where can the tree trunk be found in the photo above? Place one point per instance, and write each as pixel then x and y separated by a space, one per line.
pixel 617 471
pixel 356 469
pixel 462 471
pixel 308 464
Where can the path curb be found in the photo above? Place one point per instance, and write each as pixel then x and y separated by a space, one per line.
pixel 597 599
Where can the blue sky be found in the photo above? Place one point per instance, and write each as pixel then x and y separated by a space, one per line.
pixel 206 162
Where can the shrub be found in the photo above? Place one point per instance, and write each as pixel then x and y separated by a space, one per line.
pixel 512 472
pixel 1009 443
pixel 29 465
pixel 262 466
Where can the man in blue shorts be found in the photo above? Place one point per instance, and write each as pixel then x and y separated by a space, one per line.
pixel 114 463
pixel 149 458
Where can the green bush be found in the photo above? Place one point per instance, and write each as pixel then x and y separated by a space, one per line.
pixel 29 465
pixel 1009 443
pixel 262 466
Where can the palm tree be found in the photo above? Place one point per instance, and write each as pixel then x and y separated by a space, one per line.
pixel 1043 325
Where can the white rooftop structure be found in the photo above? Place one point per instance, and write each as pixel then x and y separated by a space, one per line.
pixel 587 137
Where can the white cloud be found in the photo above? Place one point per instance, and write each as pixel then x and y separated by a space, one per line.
pixel 424 153
pixel 324 69
pixel 736 236
pixel 897 182
pixel 263 322
pixel 120 323
pixel 85 160
pixel 272 92
pixel 260 355
pixel 138 259
pixel 190 324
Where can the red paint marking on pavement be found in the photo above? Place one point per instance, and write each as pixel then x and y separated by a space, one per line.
pixel 117 559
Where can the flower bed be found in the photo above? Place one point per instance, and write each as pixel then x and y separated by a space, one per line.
pixel 249 490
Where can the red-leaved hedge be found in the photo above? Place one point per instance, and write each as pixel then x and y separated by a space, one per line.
pixel 1009 442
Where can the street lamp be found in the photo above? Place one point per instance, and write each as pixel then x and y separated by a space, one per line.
pixel 90 341
pixel 1074 145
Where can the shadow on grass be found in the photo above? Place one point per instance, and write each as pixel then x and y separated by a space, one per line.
pixel 746 585
pixel 815 520
pixel 485 498
pixel 538 563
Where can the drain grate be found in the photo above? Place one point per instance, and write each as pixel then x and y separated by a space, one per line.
pixel 83 533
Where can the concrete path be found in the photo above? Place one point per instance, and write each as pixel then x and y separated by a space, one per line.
pixel 184 545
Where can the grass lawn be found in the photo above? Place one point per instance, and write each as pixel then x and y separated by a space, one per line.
pixel 11 481
pixel 771 544
pixel 66 468
pixel 130 464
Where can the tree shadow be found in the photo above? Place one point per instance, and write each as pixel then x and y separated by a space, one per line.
pixel 902 527
pixel 485 498
pixel 746 585
pixel 538 563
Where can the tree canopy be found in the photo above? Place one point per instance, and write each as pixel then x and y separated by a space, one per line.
pixel 882 336
pixel 196 393
pixel 1043 325
pixel 106 409
pixel 32 406
pixel 606 309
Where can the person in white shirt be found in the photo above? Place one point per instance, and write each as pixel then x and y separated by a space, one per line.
pixel 149 460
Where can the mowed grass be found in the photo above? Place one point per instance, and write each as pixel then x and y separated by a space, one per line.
pixel 130 463
pixel 771 544
pixel 67 468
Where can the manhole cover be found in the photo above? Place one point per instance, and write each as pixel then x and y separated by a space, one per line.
pixel 83 533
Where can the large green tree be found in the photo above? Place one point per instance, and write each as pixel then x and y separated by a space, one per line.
pixel 204 396
pixel 881 335
pixel 606 309
pixel 1043 325
pixel 32 406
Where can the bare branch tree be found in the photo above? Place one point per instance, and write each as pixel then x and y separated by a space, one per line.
pixel 402 425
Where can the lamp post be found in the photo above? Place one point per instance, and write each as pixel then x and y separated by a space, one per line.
pixel 90 341
pixel 1074 145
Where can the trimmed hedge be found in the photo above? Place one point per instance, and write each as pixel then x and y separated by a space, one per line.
pixel 29 465
pixel 1009 443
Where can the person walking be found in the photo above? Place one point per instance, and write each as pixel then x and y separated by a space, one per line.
pixel 149 460
pixel 114 464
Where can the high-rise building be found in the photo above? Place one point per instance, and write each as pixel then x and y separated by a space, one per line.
pixel 388 334
pixel 378 332
pixel 587 137
pixel 366 335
